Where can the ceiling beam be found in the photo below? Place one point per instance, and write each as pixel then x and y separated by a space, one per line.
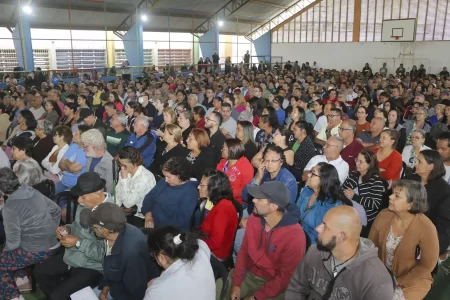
pixel 305 9
pixel 268 4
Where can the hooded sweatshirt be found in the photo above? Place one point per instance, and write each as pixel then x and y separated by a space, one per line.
pixel 271 255
pixel 240 175
pixel 364 277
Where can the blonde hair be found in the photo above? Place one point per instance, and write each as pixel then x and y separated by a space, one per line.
pixel 175 131
pixel 171 112
pixel 239 100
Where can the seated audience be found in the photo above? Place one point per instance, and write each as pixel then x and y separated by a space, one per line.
pixel 62 138
pixel 443 147
pixel 4 123
pixel 70 110
pixel 421 114
pixel 80 263
pixel 52 112
pixel 303 147
pixel 73 162
pixel 98 159
pixel 30 220
pixel 261 273
pixel 281 138
pixel 331 155
pixel 371 139
pixel 185 121
pixel 321 193
pixel 216 137
pixel 25 128
pixel 143 140
pixel 265 135
pixel 22 148
pixel 364 186
pixel 332 127
pixel 89 118
pixel 430 172
pixel 186 264
pixel 340 259
pixel 389 159
pixel 200 155
pixel 402 233
pixel 352 146
pixel 127 265
pixel 228 126
pixel 30 173
pixel 393 122
pixel 236 166
pixel 220 224
pixel 173 147
pixel 118 136
pixel 244 132
pixel 411 152
pixel 198 113
pixel 134 183
pixel 173 200
pixel 43 143
pixel 361 123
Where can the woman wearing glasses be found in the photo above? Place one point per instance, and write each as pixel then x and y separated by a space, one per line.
pixel 410 152
pixel 365 187
pixel 321 193
pixel 421 114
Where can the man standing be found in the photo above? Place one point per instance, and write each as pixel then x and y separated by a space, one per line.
pixel 229 125
pixel 215 59
pixel 127 265
pixel 371 139
pixel 118 136
pixel 274 243
pixel 246 60
pixel 80 263
pixel 217 138
pixel 353 147
pixel 338 264
pixel 87 115
pixel 99 160
pixel 143 140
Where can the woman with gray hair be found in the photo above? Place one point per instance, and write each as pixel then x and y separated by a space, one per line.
pixel 30 173
pixel 410 152
pixel 43 143
pixel 421 114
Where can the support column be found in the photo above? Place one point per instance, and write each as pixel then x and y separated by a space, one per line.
pixel 357 21
pixel 22 41
pixel 263 46
pixel 110 49
pixel 209 42
pixel 133 44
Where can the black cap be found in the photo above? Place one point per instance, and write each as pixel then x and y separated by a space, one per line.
pixel 107 215
pixel 85 112
pixel 274 191
pixel 87 183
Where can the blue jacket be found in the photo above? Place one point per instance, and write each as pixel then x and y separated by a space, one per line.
pixel 146 144
pixel 171 205
pixel 129 267
pixel 311 218
pixel 284 176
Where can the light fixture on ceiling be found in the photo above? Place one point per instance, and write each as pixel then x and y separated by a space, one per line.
pixel 27 9
pixel 144 17
pixel 220 23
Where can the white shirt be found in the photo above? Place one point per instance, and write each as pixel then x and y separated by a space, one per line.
pixel 230 126
pixel 4 160
pixel 186 280
pixel 321 122
pixel 340 165
pixel 322 135
pixel 131 191
pixel 255 132
pixel 54 167
pixel 37 113
pixel 447 173
pixel 406 155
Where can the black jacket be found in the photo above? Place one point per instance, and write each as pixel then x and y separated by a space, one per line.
pixel 203 161
pixel 438 192
pixel 129 267
pixel 160 158
pixel 215 145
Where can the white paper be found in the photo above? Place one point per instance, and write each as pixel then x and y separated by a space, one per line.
pixel 85 294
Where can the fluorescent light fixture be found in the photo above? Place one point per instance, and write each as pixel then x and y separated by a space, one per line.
pixel 27 9
pixel 144 18
pixel 220 23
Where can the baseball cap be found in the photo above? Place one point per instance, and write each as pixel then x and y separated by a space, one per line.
pixel 245 116
pixel 85 112
pixel 107 215
pixel 274 191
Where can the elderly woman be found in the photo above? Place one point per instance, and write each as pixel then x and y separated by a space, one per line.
pixel 30 173
pixel 200 156
pixel 366 187
pixel 439 111
pixel 172 139
pixel 430 171
pixel 30 228
pixel 52 112
pixel 62 137
pixel 173 200
pixel 221 223
pixel 236 166
pixel 321 193
pixel 421 114
pixel 407 240
pixel 389 159
pixel 135 181
pixel 43 143
pixel 410 152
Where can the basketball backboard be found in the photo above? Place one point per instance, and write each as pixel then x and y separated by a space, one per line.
pixel 398 30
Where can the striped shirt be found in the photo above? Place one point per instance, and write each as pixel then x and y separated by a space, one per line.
pixel 369 194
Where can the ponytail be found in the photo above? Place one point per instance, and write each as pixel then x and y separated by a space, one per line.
pixel 170 241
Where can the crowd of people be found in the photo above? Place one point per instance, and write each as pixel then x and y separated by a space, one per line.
pixel 299 182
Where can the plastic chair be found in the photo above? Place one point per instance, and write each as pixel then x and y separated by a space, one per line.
pixel 220 272
pixel 50 185
pixel 72 205
pixel 200 212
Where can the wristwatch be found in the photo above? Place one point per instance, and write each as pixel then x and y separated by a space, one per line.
pixel 78 244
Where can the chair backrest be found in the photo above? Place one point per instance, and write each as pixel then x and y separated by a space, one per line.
pixel 9 130
pixel 318 148
pixel 72 205
pixel 50 185
pixel 220 271
pixel 198 214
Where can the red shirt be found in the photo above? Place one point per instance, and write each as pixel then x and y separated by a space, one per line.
pixel 392 165
pixel 220 225
pixel 350 153
pixel 240 175
pixel 200 124
pixel 325 101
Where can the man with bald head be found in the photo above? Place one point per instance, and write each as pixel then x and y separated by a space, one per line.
pixel 342 265
pixel 371 139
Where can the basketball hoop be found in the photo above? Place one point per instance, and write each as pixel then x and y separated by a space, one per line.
pixel 395 37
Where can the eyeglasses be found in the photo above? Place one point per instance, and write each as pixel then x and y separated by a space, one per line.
pixel 313 174
pixel 342 129
pixel 331 116
pixel 330 145
pixel 209 119
pixel 417 137
pixel 271 161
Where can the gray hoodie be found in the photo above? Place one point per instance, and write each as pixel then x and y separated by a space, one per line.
pixel 365 277
pixel 30 221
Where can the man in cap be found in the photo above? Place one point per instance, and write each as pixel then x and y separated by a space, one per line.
pixel 337 266
pixel 274 243
pixel 80 263
pixel 87 115
pixel 127 265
